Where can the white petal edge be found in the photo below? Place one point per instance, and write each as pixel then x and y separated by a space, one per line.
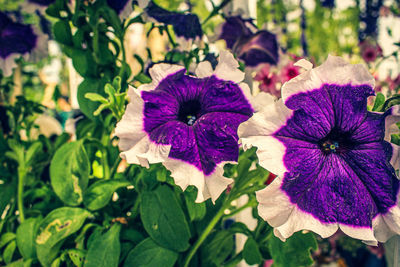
pixel 143 3
pixel 209 186
pixel 335 70
pixel 227 68
pixel 157 73
pixel 258 131
pixel 134 142
pixel 286 218
pixel 127 10
pixel 8 64
pixel 160 71
pixel 204 69
pixel 388 224
pixel 305 64
pixel 276 208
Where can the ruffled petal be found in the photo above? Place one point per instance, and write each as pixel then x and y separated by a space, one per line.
pixel 334 70
pixel 208 186
pixel 258 131
pixel 204 69
pixel 136 146
pixel 227 68
pixel 286 218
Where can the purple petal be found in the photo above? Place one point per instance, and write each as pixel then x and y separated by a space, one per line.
pixel 15 37
pixel 331 191
pixel 232 29
pixel 259 48
pixel 224 96
pixel 159 108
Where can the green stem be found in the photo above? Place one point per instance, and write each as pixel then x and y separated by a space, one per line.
pixel 174 45
pixel 123 67
pixel 206 232
pixel 104 155
pixel 216 11
pixel 247 205
pixel 20 196
pixel 114 167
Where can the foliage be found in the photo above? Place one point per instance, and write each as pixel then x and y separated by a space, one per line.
pixel 66 202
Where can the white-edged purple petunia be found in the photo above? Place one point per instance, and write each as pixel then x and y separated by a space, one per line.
pixel 18 39
pixel 187 123
pixel 335 169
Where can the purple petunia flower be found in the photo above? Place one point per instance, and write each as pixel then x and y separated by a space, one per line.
pixel 188 123
pixel 335 169
pixel 16 39
pixel 187 27
pixel 252 46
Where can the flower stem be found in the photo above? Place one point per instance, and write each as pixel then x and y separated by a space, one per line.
pixel 206 232
pixel 20 196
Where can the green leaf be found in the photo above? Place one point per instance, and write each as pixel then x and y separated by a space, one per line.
pixel 20 263
pixel 220 247
pixel 99 194
pixel 89 86
pixel 96 97
pixel 77 256
pixel 379 102
pixel 298 246
pixel 148 253
pixel 163 218
pixel 7 192
pixel 197 211
pixel 69 172
pixel 31 152
pixel 6 238
pixel 9 252
pixel 105 249
pixel 55 227
pixel 251 252
pixel 62 32
pixel 26 234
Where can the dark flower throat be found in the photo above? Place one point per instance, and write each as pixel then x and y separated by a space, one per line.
pixel 189 112
pixel 336 142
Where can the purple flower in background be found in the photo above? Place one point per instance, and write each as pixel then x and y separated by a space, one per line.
pixel 335 169
pixel 15 39
pixel 235 27
pixel 252 46
pixel 186 26
pixel 188 123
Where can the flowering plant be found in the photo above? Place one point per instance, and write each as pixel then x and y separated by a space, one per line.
pixel 140 138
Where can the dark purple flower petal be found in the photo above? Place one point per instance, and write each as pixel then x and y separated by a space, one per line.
pixel 259 48
pixel 15 37
pixel 224 96
pixel 233 28
pixel 185 25
pixel 117 5
pixel 42 2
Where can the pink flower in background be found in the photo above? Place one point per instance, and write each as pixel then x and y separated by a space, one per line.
pixel 370 51
pixel 393 84
pixel 289 71
pixel 268 81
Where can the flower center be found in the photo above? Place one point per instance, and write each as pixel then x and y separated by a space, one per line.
pixel 336 142
pixel 189 112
